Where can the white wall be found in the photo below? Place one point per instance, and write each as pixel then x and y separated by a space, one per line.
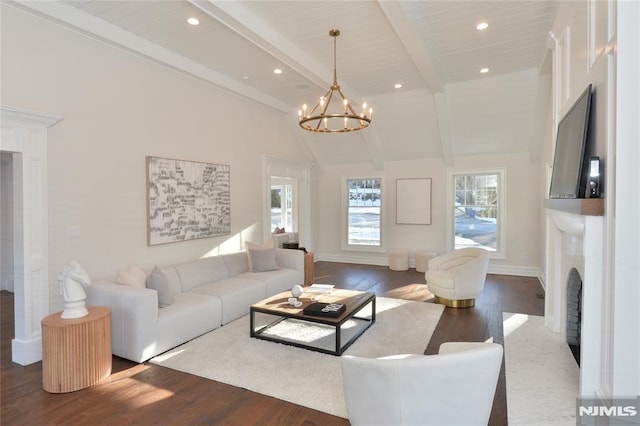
pixel 626 338
pixel 117 109
pixel 598 42
pixel 523 210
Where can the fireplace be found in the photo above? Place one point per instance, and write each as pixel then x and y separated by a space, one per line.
pixel 574 286
pixel 574 313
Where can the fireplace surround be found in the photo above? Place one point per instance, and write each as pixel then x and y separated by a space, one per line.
pixel 574 253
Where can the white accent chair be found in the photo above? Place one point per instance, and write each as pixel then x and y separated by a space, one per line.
pixel 456 278
pixel 455 387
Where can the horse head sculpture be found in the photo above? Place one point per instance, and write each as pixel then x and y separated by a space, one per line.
pixel 71 282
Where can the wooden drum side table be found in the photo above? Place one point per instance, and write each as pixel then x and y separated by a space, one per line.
pixel 76 352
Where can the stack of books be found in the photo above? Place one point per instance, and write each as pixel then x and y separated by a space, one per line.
pixel 320 288
pixel 324 309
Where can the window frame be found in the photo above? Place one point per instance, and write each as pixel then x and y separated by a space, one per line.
pixel 345 216
pixel 282 182
pixel 501 249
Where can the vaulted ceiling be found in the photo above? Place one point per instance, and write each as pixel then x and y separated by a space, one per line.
pixel 445 107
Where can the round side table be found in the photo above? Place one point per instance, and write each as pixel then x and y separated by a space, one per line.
pixel 76 352
pixel 399 260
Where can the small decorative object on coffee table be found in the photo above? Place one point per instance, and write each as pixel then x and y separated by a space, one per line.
pixel 297 290
pixel 350 314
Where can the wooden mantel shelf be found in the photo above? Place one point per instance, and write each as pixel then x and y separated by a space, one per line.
pixel 579 206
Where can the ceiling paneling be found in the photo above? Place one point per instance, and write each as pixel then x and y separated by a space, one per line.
pixel 415 43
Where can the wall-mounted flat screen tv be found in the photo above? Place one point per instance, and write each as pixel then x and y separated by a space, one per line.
pixel 569 175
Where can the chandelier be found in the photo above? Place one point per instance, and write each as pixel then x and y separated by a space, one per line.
pixel 333 113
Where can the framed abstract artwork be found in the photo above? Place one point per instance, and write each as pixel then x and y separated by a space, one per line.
pixel 413 201
pixel 186 200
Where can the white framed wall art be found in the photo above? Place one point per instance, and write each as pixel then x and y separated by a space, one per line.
pixel 186 200
pixel 413 201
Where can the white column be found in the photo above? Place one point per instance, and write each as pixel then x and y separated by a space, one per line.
pixel 25 134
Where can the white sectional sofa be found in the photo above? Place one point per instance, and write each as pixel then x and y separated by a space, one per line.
pixel 207 293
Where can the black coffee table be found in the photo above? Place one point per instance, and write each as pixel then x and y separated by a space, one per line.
pixel 275 320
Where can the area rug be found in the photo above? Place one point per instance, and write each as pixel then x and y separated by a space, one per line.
pixel 301 376
pixel 542 375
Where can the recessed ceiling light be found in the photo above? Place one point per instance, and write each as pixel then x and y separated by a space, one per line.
pixel 484 70
pixel 277 71
pixel 397 85
pixel 245 77
pixel 193 21
pixel 482 26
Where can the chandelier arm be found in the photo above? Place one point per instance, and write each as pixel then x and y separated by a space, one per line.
pixel 328 98
pixel 349 104
pixel 318 104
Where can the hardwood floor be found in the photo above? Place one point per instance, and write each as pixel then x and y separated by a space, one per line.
pixel 148 394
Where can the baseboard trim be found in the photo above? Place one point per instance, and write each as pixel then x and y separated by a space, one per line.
pixel 365 259
pixel 25 352
pixel 362 260
pixel 519 271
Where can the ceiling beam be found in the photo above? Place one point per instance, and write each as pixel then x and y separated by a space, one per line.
pixel 413 44
pixel 444 125
pixel 419 54
pixel 240 20
pixel 237 18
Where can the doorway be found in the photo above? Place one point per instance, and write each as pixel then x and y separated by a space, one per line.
pixel 6 222
pixel 24 140
pixel 286 198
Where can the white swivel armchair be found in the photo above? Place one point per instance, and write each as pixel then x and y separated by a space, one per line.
pixel 455 387
pixel 456 278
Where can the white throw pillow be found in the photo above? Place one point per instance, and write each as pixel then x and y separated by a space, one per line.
pixel 133 276
pixel 257 246
pixel 263 260
pixel 159 282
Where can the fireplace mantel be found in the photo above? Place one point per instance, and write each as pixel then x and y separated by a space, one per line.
pixel 579 206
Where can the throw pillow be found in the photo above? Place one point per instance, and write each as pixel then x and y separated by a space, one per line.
pixel 133 276
pixel 263 260
pixel 159 282
pixel 256 246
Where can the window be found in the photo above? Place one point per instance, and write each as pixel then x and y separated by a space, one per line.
pixel 478 210
pixel 282 204
pixel 363 201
